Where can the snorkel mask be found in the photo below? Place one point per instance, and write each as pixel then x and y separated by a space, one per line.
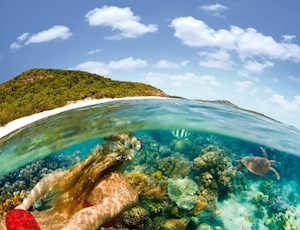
pixel 139 145
pixel 125 146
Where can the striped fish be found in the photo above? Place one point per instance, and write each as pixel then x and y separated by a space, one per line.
pixel 180 133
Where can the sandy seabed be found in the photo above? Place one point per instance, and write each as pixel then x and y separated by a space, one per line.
pixel 18 123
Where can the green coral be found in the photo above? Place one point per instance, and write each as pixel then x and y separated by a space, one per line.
pixel 155 207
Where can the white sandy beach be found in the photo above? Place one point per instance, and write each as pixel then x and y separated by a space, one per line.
pixel 18 123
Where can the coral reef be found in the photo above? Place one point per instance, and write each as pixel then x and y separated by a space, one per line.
pixel 146 187
pixel 279 204
pixel 271 197
pixel 158 207
pixel 157 175
pixel 135 218
pixel 174 166
pixel 201 204
pixel 164 151
pixel 273 208
pixel 181 192
pixel 181 145
pixel 174 224
pixel 217 173
pixel 11 202
pixel 181 183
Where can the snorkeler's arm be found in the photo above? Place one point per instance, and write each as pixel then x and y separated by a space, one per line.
pixel 2 224
pixel 95 216
pixel 41 188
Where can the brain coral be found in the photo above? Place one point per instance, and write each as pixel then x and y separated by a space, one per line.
pixel 181 191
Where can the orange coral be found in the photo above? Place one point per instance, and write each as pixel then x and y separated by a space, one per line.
pixel 174 224
pixel 200 205
pixel 11 202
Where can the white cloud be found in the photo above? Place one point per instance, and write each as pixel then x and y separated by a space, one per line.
pixel 93 67
pixel 18 44
pixel 104 68
pixel 243 85
pixel 254 91
pixel 173 65
pixel 121 19
pixel 127 64
pixel 268 90
pixel 245 73
pixel 15 46
pixel 214 9
pixel 246 42
pixel 56 32
pixel 288 37
pixel 94 51
pixel 290 106
pixel 257 67
pixel 294 79
pixel 220 59
pixel 23 37
pixel 182 80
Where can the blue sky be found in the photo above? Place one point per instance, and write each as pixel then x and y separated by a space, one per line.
pixel 245 51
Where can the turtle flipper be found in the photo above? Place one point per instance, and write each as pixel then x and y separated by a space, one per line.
pixel 240 167
pixel 264 152
pixel 276 173
pixel 272 161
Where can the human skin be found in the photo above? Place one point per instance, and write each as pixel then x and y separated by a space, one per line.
pixel 109 198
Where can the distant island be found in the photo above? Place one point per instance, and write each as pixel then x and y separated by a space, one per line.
pixel 37 90
pixel 230 104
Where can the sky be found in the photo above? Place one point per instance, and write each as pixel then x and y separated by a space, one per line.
pixel 245 51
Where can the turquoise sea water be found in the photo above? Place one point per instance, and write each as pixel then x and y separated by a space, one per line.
pixel 217 136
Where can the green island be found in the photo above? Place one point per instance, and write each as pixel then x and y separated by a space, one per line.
pixel 37 90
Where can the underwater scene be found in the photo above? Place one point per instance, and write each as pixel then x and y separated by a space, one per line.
pixel 192 164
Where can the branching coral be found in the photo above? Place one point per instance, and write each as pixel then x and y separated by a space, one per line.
pixel 158 207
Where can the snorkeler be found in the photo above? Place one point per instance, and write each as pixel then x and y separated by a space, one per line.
pixel 88 195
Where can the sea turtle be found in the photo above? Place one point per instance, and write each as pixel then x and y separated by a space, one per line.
pixel 258 165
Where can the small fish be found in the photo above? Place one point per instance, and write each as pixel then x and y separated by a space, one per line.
pixel 180 133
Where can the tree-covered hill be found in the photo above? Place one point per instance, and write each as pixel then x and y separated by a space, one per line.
pixel 38 90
